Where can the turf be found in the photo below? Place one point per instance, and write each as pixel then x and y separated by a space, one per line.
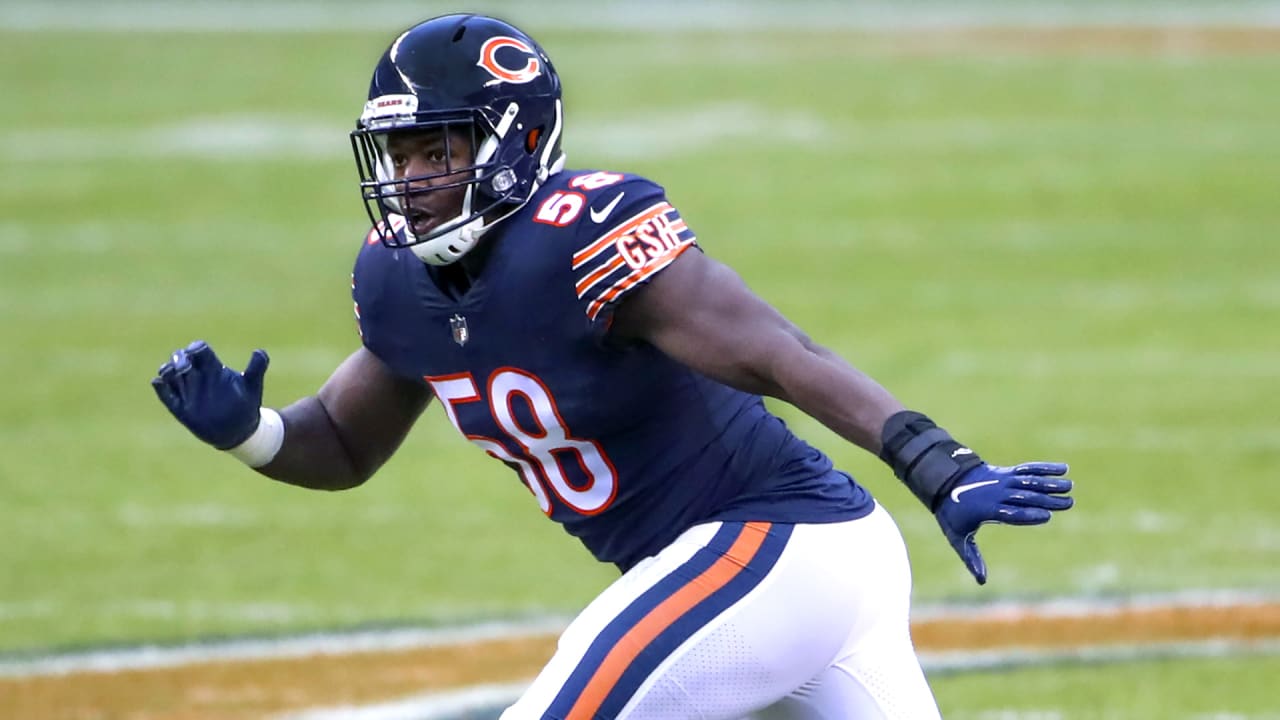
pixel 1171 689
pixel 1058 255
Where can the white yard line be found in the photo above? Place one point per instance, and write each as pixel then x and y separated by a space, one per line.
pixel 108 660
pixel 427 706
pixel 962 661
pixel 1076 607
pixel 228 137
pixel 248 137
pixel 668 16
pixel 474 701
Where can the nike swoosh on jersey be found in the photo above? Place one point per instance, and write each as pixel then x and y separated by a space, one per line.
pixel 598 216
pixel 957 492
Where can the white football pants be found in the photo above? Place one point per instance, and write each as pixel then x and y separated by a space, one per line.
pixel 771 621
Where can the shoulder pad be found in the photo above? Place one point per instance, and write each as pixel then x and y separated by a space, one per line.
pixel 586 200
pixel 629 233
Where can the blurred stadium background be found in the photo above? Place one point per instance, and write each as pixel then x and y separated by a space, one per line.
pixel 1055 227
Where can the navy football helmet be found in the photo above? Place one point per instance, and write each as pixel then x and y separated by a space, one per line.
pixel 460 72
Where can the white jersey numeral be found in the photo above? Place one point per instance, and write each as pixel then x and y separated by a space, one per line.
pixel 560 208
pixel 542 446
pixel 595 180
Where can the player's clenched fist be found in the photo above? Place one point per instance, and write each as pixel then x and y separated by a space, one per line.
pixel 217 404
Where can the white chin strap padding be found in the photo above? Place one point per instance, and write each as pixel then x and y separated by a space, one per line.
pixel 449 247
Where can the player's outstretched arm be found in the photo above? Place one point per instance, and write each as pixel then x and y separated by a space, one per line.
pixel 333 440
pixel 699 312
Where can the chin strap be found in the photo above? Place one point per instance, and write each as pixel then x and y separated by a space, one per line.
pixel 450 246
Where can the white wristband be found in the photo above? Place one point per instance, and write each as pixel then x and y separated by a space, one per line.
pixel 264 443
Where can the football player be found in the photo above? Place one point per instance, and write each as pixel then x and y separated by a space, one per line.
pixel 570 325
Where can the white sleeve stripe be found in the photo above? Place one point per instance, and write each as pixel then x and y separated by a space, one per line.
pixel 585 284
pixel 630 281
pixel 585 255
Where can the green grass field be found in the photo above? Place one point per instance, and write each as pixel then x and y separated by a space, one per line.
pixel 1058 255
pixel 1201 689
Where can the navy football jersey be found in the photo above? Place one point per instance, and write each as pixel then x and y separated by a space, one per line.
pixel 623 446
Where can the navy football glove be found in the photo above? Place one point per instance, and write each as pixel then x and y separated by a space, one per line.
pixel 217 404
pixel 1025 494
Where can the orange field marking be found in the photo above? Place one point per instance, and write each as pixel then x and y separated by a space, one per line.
pixel 1138 625
pixel 235 690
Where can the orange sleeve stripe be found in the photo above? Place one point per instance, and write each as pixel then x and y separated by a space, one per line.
pixel 635 221
pixel 585 283
pixel 661 617
pixel 626 283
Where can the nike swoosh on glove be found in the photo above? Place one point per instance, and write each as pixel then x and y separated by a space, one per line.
pixel 1025 494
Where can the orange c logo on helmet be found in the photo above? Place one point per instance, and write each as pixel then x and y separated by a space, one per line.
pixel 489 60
